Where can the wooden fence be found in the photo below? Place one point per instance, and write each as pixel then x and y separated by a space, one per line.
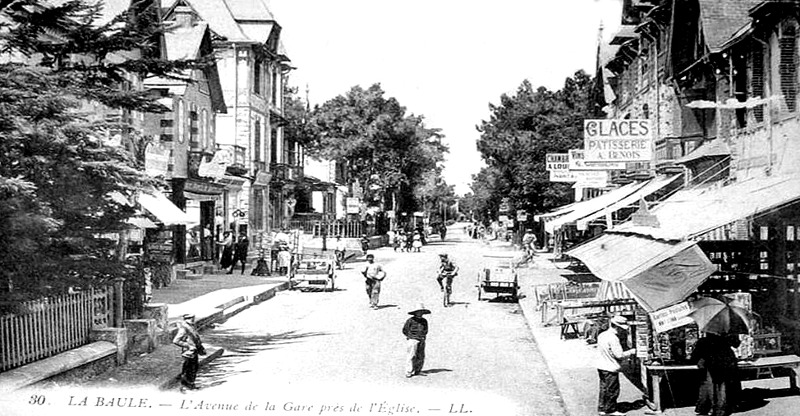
pixel 49 326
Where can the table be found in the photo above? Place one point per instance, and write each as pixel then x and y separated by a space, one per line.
pixel 590 306
pixel 657 372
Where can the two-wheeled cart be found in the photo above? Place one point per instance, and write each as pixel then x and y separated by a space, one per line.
pixel 313 271
pixel 498 276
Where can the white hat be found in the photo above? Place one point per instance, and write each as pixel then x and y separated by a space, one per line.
pixel 619 321
pixel 420 308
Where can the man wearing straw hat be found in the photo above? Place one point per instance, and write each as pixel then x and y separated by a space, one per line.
pixel 415 330
pixel 188 339
pixel 608 364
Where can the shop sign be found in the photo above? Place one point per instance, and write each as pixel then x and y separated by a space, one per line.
pixel 156 159
pixel 563 176
pixel 577 161
pixel 672 317
pixel 522 215
pixel 617 140
pixel 557 161
pixel 591 178
pixel 353 205
pixel 262 178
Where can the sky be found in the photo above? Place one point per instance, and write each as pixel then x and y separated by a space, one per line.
pixel 446 60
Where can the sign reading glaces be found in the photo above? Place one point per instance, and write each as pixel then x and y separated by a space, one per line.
pixel 617 140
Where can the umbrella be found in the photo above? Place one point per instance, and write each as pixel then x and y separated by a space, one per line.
pixel 720 317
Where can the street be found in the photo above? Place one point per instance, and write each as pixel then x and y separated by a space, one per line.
pixel 321 348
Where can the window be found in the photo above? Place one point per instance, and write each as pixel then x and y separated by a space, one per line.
pixel 204 129
pixel 788 63
pixel 257 140
pixel 645 111
pixel 181 122
pixel 756 72
pixel 275 87
pixel 273 147
pixel 194 137
pixel 790 233
pixel 763 233
pixel 257 79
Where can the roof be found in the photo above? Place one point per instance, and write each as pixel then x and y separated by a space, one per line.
pixel 689 213
pixel 249 10
pixel 722 19
pixel 184 42
pixel 218 16
pixel 714 148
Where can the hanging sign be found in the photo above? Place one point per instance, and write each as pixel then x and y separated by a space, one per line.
pixel 577 161
pixel 353 205
pixel 557 161
pixel 672 317
pixel 217 166
pixel 617 140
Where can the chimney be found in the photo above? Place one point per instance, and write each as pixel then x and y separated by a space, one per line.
pixel 184 16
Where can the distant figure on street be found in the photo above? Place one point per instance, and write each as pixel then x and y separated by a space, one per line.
pixel 529 242
pixel 608 364
pixel 415 330
pixel 374 275
pixel 188 339
pixel 226 258
pixel 364 243
pixel 417 243
pixel 340 250
pixel 240 252
pixel 719 386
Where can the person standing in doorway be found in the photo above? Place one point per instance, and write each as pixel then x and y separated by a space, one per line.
pixel 609 365
pixel 240 252
pixel 188 339
pixel 416 331
pixel 374 275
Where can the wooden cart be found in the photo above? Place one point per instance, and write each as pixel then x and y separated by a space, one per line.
pixel 313 272
pixel 498 276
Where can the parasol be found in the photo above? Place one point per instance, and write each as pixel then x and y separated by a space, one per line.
pixel 720 317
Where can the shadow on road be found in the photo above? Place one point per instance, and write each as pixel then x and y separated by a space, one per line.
pixel 436 370
pixel 238 348
pixel 386 306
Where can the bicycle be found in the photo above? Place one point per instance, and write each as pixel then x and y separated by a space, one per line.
pixel 446 281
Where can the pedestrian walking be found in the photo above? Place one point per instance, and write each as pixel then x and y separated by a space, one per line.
pixel 415 330
pixel 240 252
pixel 719 384
pixel 364 243
pixel 192 348
pixel 417 241
pixel 374 275
pixel 609 364
pixel 340 250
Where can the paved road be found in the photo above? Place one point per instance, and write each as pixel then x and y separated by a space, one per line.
pixel 330 349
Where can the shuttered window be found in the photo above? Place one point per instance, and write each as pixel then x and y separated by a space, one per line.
pixel 756 71
pixel 788 63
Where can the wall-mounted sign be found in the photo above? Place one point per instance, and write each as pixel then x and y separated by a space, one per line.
pixel 577 161
pixel 563 176
pixel 617 140
pixel 217 166
pixel 672 317
pixel 156 159
pixel 353 205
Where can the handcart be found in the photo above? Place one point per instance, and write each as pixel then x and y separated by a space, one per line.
pixel 498 276
pixel 313 271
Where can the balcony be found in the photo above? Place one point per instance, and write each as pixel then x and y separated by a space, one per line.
pixel 239 153
pixel 282 172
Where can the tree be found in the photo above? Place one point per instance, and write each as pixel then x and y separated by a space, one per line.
pixel 518 135
pixel 60 175
pixel 387 151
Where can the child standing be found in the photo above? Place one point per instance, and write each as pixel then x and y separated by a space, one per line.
pixel 415 330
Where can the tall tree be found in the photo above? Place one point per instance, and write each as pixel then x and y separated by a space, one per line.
pixel 387 151
pixel 59 172
pixel 521 130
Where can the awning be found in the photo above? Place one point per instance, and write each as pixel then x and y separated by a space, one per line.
pixel 657 273
pixel 141 222
pixel 692 212
pixel 591 206
pixel 652 186
pixel 549 216
pixel 163 209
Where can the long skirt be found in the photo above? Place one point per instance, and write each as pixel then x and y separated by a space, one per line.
pixel 227 257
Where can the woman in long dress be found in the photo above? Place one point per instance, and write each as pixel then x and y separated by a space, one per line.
pixel 227 250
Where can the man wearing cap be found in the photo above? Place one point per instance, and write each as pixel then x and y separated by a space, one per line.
pixel 415 330
pixel 448 269
pixel 608 364
pixel 374 275
pixel 188 339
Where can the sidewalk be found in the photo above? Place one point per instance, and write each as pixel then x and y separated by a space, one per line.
pixel 211 298
pixel 571 362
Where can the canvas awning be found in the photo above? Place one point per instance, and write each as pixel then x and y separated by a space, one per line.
pixel 163 209
pixel 657 273
pixel 693 212
pixel 652 186
pixel 549 216
pixel 141 222
pixel 591 206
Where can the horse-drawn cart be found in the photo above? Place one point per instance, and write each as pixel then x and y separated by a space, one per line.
pixel 498 276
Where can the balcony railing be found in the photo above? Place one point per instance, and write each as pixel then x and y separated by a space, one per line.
pixel 239 153
pixel 284 172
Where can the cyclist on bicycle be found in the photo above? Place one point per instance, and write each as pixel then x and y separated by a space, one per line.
pixel 339 250
pixel 529 242
pixel 447 269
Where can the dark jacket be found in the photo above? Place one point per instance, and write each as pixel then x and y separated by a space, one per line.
pixel 240 250
pixel 714 353
pixel 416 328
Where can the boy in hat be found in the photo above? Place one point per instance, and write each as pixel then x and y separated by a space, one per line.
pixel 374 275
pixel 415 330
pixel 188 339
pixel 608 364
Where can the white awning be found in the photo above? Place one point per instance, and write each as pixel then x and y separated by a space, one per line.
pixel 693 212
pixel 652 186
pixel 657 273
pixel 141 222
pixel 591 206
pixel 163 209
pixel 549 216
